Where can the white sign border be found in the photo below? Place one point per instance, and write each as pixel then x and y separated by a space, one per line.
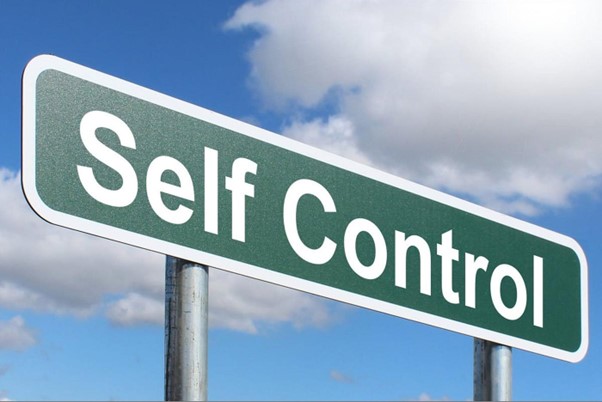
pixel 42 63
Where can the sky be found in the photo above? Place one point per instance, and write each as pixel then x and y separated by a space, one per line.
pixel 496 102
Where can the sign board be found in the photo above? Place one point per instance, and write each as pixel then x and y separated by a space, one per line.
pixel 113 159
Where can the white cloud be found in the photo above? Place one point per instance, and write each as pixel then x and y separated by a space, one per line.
pixel 340 377
pixel 48 269
pixel 236 303
pixel 16 335
pixel 335 135
pixel 135 309
pixel 498 100
pixel 251 305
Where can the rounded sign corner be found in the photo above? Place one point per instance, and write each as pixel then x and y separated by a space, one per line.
pixel 37 65
pixel 580 353
pixel 34 201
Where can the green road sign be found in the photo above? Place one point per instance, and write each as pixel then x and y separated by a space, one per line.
pixel 111 158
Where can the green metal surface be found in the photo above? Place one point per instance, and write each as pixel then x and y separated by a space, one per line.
pixel 62 100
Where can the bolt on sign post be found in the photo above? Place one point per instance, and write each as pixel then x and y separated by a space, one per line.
pixel 110 158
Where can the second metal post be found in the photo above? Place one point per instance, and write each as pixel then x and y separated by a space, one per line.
pixel 492 371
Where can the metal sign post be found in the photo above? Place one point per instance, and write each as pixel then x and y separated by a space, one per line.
pixel 186 330
pixel 492 371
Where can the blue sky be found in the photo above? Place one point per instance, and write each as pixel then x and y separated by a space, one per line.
pixel 496 102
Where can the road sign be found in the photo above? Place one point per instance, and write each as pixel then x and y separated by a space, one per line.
pixel 110 158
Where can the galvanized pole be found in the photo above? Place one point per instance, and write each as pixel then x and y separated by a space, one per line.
pixel 186 330
pixel 501 373
pixel 492 371
pixel 481 374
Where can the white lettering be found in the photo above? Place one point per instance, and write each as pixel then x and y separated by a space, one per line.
pixel 402 244
pixel 377 267
pixel 182 187
pixel 448 254
pixel 538 291
pixel 240 190
pixel 508 271
pixel 126 194
pixel 298 189
pixel 211 206
pixel 155 187
pixel 472 266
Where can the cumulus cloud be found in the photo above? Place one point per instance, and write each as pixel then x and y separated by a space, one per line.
pixel 135 309
pixel 251 306
pixel 496 100
pixel 49 269
pixel 15 335
pixel 236 303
